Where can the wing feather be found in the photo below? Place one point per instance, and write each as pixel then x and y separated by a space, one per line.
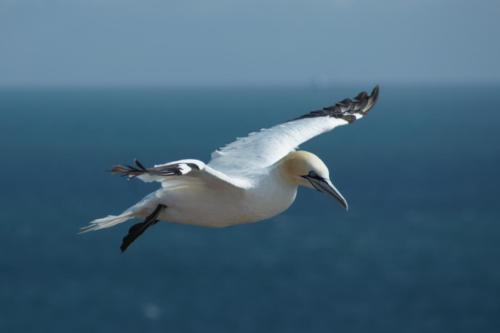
pixel 177 173
pixel 266 147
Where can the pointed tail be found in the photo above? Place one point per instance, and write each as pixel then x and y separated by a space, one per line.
pixel 107 222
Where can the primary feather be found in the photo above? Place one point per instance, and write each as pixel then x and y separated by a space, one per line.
pixel 266 147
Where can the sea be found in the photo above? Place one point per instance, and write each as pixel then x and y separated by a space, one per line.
pixel 418 250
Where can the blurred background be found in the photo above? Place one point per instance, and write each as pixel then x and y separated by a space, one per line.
pixel 85 85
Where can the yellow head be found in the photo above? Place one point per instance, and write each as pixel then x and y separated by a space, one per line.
pixel 306 169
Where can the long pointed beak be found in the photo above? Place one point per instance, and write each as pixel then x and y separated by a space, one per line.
pixel 326 186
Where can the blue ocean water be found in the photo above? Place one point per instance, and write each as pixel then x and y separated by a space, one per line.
pixel 418 251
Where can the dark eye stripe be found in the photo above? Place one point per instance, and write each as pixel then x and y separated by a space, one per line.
pixel 314 175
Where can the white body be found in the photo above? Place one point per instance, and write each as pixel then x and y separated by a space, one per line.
pixel 251 179
pixel 262 197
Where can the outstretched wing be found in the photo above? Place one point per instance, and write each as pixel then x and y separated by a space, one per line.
pixel 177 173
pixel 266 147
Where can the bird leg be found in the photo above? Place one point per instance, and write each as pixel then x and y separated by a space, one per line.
pixel 138 229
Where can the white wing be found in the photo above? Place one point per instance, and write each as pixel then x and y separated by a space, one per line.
pixel 178 173
pixel 266 147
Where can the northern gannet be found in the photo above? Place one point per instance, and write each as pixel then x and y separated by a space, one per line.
pixel 249 180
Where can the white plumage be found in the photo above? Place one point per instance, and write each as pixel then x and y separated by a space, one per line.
pixel 248 180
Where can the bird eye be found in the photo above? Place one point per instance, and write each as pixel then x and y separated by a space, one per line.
pixel 314 175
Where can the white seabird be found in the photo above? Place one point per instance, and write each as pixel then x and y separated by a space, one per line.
pixel 248 180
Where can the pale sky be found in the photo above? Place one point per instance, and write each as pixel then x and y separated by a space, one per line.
pixel 217 42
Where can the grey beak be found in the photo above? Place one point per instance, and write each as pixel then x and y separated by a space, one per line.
pixel 326 186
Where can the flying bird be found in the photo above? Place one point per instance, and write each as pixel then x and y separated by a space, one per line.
pixel 249 180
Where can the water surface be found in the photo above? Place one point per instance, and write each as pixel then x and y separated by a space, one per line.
pixel 417 252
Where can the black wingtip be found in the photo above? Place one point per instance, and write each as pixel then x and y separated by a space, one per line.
pixel 347 108
pixel 374 94
pixel 371 100
pixel 139 164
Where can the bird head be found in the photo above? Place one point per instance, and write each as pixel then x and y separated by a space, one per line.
pixel 306 169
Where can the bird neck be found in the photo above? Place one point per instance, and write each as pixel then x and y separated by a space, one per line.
pixel 286 171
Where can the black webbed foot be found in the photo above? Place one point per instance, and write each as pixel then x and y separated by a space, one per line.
pixel 138 229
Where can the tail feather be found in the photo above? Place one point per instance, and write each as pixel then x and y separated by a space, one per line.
pixel 107 222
